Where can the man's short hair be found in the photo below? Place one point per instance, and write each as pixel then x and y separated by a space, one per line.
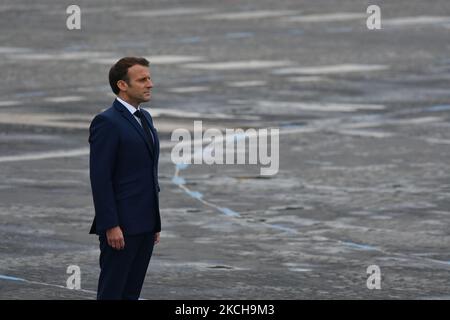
pixel 119 71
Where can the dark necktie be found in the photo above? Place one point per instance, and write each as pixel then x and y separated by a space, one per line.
pixel 148 133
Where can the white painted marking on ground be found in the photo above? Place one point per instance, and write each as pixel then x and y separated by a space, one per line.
pixel 251 15
pixel 107 61
pixel 306 79
pixel 420 120
pixel 365 133
pixel 63 154
pixel 172 59
pixel 9 103
pixel 334 107
pixel 159 60
pixel 436 141
pixel 393 122
pixel 46 155
pixel 65 99
pixel 92 10
pixel 239 65
pixel 168 12
pixel 300 269
pixel 415 21
pixel 81 55
pixel 63 56
pixel 47 120
pixel 331 69
pixel 31 56
pixel 189 89
pixel 157 112
pixel 239 84
pixel 14 50
pixel 329 17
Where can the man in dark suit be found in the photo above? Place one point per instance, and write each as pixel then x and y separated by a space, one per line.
pixel 124 152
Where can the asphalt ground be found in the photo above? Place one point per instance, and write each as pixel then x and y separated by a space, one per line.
pixel 364 144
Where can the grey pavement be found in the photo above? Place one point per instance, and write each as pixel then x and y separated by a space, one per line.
pixel 364 146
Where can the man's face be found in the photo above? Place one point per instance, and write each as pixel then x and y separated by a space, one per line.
pixel 139 85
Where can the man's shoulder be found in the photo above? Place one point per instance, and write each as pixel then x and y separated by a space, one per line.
pixel 109 113
pixel 107 117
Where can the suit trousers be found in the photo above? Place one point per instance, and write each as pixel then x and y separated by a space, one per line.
pixel 122 272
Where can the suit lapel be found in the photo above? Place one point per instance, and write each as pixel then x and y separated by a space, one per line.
pixel 127 115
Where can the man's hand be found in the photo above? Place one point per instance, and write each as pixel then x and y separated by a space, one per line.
pixel 157 237
pixel 115 238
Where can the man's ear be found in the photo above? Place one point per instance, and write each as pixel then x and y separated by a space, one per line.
pixel 123 85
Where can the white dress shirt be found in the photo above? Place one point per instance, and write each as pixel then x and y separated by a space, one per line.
pixel 132 110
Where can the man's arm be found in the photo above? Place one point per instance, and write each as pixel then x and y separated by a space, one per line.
pixel 104 141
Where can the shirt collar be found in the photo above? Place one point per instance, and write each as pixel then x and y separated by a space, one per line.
pixel 128 106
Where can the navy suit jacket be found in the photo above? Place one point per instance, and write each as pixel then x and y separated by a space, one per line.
pixel 124 173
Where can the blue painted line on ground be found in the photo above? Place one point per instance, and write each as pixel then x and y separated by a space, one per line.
pixel 3 277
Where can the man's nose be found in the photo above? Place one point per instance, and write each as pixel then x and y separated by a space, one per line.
pixel 150 84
